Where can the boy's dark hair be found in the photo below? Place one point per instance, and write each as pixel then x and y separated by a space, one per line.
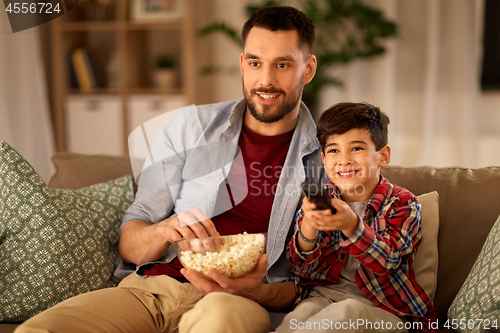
pixel 343 117
pixel 282 18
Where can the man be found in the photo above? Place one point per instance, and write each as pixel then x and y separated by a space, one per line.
pixel 272 138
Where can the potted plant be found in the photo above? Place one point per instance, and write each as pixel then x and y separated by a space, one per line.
pixel 165 74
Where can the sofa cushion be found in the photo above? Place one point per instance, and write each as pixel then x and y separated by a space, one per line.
pixel 75 171
pixel 468 206
pixel 479 297
pixel 54 243
pixel 425 264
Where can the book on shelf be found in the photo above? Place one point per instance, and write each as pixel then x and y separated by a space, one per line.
pixel 89 69
pixel 83 70
pixel 72 72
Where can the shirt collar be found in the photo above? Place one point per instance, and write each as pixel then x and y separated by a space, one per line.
pixel 237 112
pixel 306 129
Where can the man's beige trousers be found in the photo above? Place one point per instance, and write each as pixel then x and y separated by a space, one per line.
pixel 151 304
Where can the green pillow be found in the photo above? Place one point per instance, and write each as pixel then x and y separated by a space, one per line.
pixel 54 243
pixel 477 305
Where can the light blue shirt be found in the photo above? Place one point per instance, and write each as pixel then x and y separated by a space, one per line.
pixel 192 156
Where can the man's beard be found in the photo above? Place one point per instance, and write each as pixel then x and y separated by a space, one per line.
pixel 281 109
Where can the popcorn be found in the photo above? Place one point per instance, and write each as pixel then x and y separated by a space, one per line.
pixel 236 257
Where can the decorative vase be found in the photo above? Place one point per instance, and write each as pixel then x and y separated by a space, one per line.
pixel 165 78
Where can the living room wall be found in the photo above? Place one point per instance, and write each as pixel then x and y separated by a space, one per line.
pixel 428 80
pixel 362 79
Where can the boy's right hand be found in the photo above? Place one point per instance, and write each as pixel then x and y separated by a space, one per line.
pixel 306 228
pixel 308 209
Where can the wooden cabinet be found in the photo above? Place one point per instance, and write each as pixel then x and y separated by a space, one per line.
pixel 93 124
pixel 122 54
pixel 141 109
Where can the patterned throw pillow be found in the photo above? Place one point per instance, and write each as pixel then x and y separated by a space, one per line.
pixel 476 307
pixel 54 243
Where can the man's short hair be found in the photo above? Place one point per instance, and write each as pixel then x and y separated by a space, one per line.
pixel 343 117
pixel 282 18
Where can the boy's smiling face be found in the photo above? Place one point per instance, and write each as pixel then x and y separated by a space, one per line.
pixel 353 163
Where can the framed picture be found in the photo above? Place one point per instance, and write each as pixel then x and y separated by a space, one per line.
pixel 156 10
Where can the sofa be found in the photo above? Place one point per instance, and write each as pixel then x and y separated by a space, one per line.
pixel 468 205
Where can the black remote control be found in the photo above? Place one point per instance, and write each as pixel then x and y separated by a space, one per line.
pixel 318 195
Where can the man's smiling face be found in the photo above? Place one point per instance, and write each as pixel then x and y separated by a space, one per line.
pixel 274 70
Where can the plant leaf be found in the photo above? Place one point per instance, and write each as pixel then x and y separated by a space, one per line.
pixel 224 28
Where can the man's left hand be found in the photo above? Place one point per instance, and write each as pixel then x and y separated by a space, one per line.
pixel 248 286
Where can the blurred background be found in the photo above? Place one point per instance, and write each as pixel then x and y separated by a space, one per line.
pixel 86 80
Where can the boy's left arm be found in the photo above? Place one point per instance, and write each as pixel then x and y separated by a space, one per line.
pixel 391 239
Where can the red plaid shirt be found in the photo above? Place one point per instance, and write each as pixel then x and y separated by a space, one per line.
pixel 384 244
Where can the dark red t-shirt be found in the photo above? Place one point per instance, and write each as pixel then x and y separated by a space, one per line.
pixel 263 159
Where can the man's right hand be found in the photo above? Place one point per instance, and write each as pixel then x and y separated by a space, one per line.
pixel 189 224
pixel 141 242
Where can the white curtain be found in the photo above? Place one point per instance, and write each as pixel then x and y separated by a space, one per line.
pixel 428 82
pixel 24 108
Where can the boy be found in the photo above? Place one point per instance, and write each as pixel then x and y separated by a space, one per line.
pixel 354 268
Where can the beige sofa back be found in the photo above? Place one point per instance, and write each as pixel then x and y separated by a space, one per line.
pixel 75 171
pixel 469 204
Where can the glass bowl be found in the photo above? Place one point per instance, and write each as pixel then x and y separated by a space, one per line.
pixel 234 255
